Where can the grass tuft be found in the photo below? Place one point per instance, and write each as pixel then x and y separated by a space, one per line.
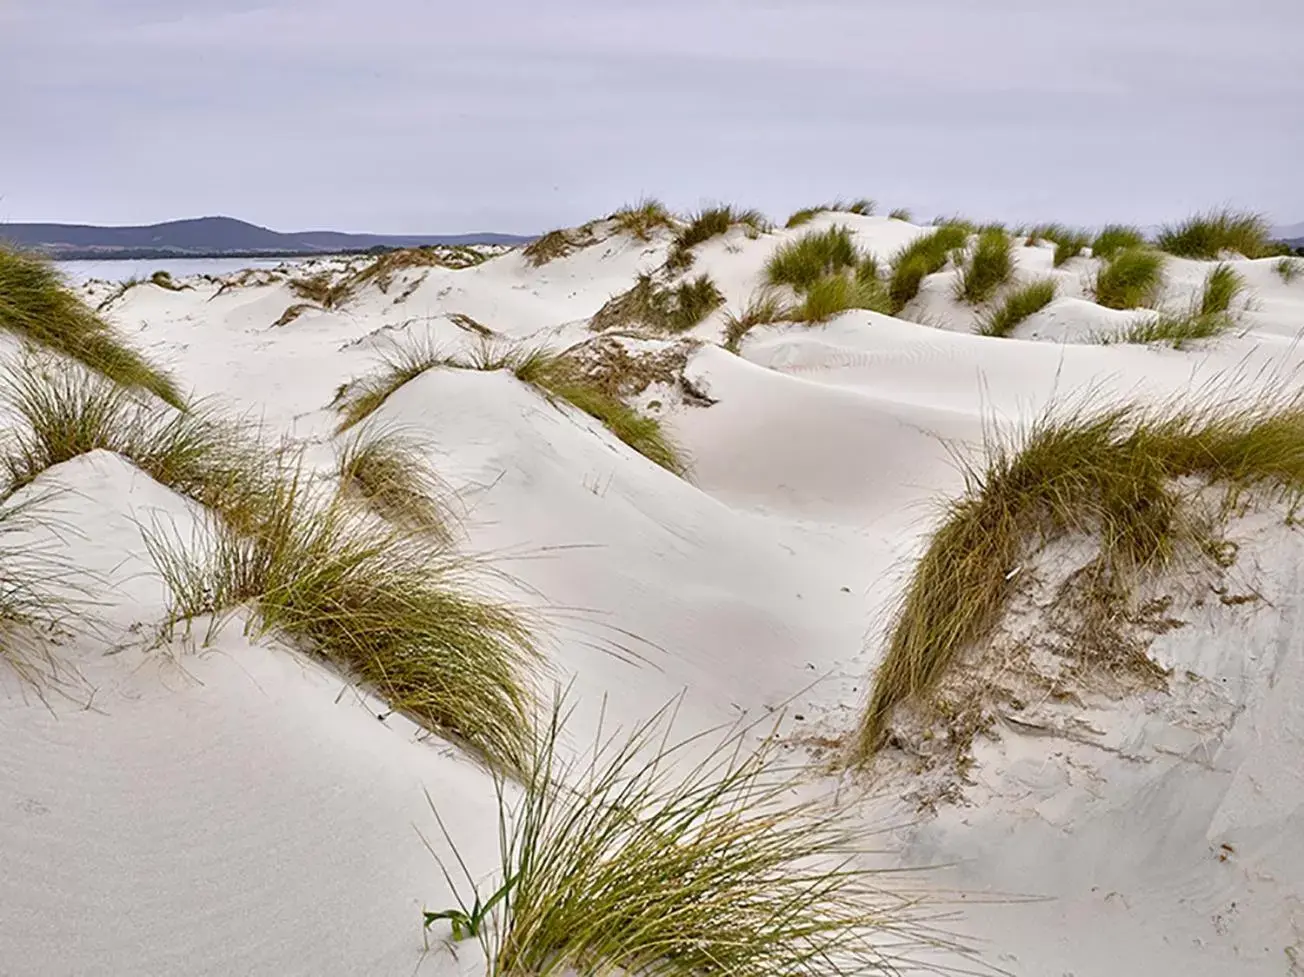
pixel 1175 329
pixel 1289 269
pixel 388 470
pixel 404 360
pixel 922 257
pixel 615 863
pixel 1018 306
pixel 1221 287
pixel 837 293
pixel 900 214
pixel 706 224
pixel 811 257
pixel 1112 473
pixel 988 268
pixel 765 308
pixel 1114 238
pixel 1208 236
pixel 323 289
pixel 659 307
pixel 1132 278
pixel 643 219
pixel 37 307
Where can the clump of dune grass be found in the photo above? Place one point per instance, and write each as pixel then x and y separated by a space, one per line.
pixel 1114 238
pixel 1068 243
pixel 292 312
pixel 660 307
pixel 900 214
pixel 36 307
pixel 706 224
pixel 988 268
pixel 1044 232
pixel 864 207
pixel 1175 329
pixel 373 600
pixel 388 470
pixel 1123 475
pixel 764 308
pixel 1132 278
pixel 812 256
pixel 1221 286
pixel 646 858
pixel 558 244
pixel 163 279
pixel 837 293
pixel 323 289
pixel 643 219
pixel 404 360
pixel 1018 306
pixel 65 412
pixel 1207 236
pixel 1289 269
pixel 922 257
pixel 382 269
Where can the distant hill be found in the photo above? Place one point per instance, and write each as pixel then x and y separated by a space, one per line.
pixel 214 237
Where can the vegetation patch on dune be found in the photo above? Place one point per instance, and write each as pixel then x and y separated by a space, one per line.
pixel 662 308
pixel 373 600
pixel 924 256
pixel 1289 269
pixel 559 243
pixel 643 219
pixel 1208 236
pixel 834 294
pixel 1175 329
pixel 1221 287
pixel 988 268
pixel 900 214
pixel 323 288
pixel 709 223
pixel 1114 238
pixel 864 207
pixel 814 255
pixel 764 308
pixel 1128 478
pixel 388 471
pixel 1018 306
pixel 615 863
pixel 1131 279
pixel 36 307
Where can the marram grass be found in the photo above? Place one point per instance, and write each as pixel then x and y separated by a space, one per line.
pixel 1016 307
pixel 387 469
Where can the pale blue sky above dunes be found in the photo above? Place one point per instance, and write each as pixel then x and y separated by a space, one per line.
pixel 519 115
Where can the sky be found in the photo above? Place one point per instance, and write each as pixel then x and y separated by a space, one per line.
pixel 424 116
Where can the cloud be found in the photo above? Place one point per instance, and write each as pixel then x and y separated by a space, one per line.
pixel 416 115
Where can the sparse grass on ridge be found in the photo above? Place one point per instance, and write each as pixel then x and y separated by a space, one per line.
pixel 802 262
pixel 706 224
pixel 1113 474
pixel 1132 278
pixel 403 360
pixel 388 470
pixel 988 268
pixel 644 858
pixel 1221 287
pixel 36 306
pixel 900 214
pixel 374 601
pixel 834 294
pixel 557 244
pixel 1289 269
pixel 864 208
pixel 764 308
pixel 643 219
pixel 322 288
pixel 660 307
pixel 1114 238
pixel 1207 236
pixel 1175 329
pixel 924 256
pixel 1018 306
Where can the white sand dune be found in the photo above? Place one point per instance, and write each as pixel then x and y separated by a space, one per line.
pixel 238 809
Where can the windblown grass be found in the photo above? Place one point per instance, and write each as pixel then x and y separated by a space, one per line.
pixel 1018 306
pixel 1131 279
pixel 558 244
pixel 1289 269
pixel 1112 473
pixel 1208 236
pixel 709 223
pixel 1221 287
pixel 37 307
pixel 163 279
pixel 323 289
pixel 371 599
pixel 922 257
pixel 618 863
pixel 811 257
pixel 1114 238
pixel 404 360
pixel 900 214
pixel 388 470
pixel 988 268
pixel 765 308
pixel 837 293
pixel 864 207
pixel 659 307
pixel 1175 329
pixel 643 219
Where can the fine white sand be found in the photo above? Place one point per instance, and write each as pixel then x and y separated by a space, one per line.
pixel 237 809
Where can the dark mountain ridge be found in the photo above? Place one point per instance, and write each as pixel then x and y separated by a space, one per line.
pixel 214 237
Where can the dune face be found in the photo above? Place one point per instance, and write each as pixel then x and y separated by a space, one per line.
pixel 676 477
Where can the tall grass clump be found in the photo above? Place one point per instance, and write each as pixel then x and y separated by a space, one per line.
pixel 1114 238
pixel 648 858
pixel 643 219
pixel 764 308
pixel 1208 236
pixel 706 224
pixel 1221 286
pixel 900 214
pixel 322 288
pixel 834 294
pixel 1289 269
pixel 389 472
pixel 36 306
pixel 1175 329
pixel 1018 306
pixel 812 256
pixel 660 307
pixel 1114 474
pixel 404 360
pixel 373 600
pixel 1132 278
pixel 922 257
pixel 988 268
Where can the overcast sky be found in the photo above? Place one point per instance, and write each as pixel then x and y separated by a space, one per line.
pixel 521 115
